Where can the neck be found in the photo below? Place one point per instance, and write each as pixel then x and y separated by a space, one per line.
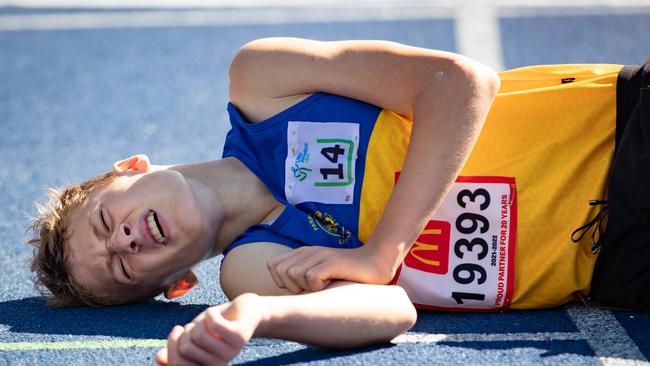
pixel 231 196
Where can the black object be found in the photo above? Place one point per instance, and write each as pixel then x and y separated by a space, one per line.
pixel 622 273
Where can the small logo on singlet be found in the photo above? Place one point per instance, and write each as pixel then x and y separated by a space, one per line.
pixel 568 80
pixel 326 222
pixel 297 169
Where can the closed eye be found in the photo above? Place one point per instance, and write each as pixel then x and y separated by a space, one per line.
pixel 101 216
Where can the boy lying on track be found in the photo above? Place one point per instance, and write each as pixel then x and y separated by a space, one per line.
pixel 361 178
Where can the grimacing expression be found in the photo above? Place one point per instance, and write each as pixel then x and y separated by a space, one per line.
pixel 143 231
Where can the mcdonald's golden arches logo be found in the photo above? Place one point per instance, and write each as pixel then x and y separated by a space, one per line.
pixel 430 252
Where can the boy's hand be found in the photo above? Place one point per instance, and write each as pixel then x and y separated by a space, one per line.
pixel 313 268
pixel 215 336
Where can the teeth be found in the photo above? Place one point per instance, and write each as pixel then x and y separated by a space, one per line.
pixel 153 227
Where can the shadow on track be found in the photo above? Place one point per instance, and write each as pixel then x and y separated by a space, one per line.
pixel 151 319
pixel 311 354
pixel 511 321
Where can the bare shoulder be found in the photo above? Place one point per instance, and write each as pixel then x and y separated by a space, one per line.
pixel 258 76
pixel 269 75
pixel 244 270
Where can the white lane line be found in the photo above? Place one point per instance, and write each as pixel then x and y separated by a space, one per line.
pixel 477 33
pixel 304 3
pixel 609 340
pixel 416 337
pixel 477 26
pixel 131 4
pixel 83 344
pixel 573 11
pixel 111 343
pixel 411 337
pixel 197 18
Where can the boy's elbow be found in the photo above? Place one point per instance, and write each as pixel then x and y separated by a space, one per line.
pixel 481 79
pixel 462 81
pixel 399 316
pixel 410 318
pixel 408 315
pixel 490 81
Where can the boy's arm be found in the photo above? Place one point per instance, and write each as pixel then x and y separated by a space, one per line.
pixel 343 315
pixel 447 95
pixel 346 314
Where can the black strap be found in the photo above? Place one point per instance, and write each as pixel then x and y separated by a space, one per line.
pixel 597 223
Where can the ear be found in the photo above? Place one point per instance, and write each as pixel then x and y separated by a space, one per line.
pixel 182 286
pixel 138 163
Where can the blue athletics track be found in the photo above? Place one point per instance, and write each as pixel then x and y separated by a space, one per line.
pixel 85 83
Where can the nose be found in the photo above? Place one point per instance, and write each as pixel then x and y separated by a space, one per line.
pixel 124 240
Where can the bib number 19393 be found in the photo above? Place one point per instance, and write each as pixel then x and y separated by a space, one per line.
pixel 464 258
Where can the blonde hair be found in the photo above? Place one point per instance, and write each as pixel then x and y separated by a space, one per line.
pixel 50 239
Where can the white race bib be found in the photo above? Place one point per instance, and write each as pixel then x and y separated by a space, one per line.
pixel 321 161
pixel 464 258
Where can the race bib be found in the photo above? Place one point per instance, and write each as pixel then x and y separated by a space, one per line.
pixel 320 164
pixel 464 258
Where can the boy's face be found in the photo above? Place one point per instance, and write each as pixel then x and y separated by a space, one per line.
pixel 143 231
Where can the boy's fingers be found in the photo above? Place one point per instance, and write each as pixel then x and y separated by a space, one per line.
pixel 190 351
pixel 216 347
pixel 173 357
pixel 230 335
pixel 161 357
pixel 222 328
pixel 280 270
pixel 272 265
pixel 299 271
pixel 279 258
pixel 293 270
pixel 319 276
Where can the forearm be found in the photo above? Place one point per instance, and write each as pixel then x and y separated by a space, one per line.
pixel 447 122
pixel 344 315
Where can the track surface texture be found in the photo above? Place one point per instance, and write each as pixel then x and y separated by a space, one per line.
pixel 82 87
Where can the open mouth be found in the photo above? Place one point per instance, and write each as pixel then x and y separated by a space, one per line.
pixel 155 228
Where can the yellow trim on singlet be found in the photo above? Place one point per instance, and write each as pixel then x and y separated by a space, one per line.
pixel 557 140
pixel 385 156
